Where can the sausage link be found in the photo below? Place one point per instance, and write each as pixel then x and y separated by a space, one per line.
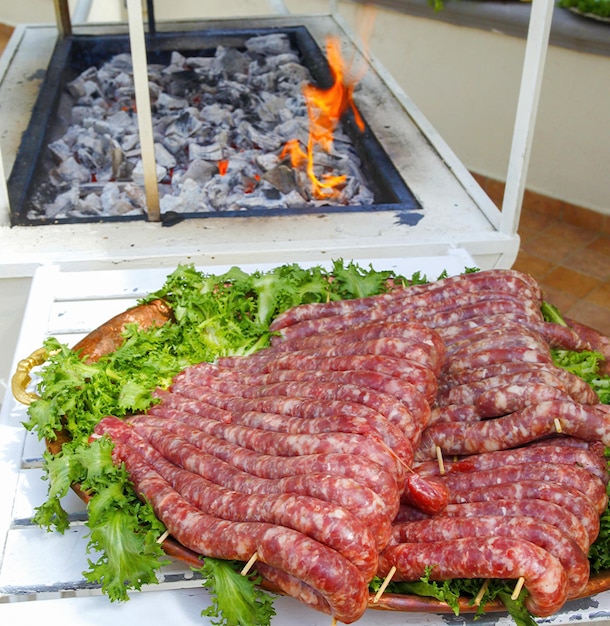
pixel 325 395
pixel 579 517
pixel 365 332
pixel 304 408
pixel 340 582
pixel 340 422
pixel 282 444
pixel 556 451
pixel 575 386
pixel 534 422
pixel 346 492
pixel 490 557
pixel 497 339
pixel 548 537
pixel 272 467
pixel 526 354
pixel 507 281
pixel 455 413
pixel 329 524
pixel 421 377
pixel 109 336
pixel 559 474
pixel 502 400
pixel 501 501
pixel 396 347
pixel 429 496
pixel 402 390
pixel 469 392
pixel 480 309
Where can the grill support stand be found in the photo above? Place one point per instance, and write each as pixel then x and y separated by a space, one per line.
pixel 527 107
pixel 145 125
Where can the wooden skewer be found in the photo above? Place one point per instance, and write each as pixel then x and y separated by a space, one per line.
pixel 384 584
pixel 163 537
pixel 557 425
pixel 333 621
pixel 439 458
pixel 395 455
pixel 482 590
pixel 517 589
pixel 248 566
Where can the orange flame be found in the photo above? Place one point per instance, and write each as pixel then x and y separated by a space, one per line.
pixel 325 108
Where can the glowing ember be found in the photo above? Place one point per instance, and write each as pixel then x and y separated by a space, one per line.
pixel 325 108
pixel 223 166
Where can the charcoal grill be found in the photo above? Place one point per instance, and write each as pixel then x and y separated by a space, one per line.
pixel 75 53
pixel 426 203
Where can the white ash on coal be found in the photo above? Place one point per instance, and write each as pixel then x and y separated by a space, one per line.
pixel 221 124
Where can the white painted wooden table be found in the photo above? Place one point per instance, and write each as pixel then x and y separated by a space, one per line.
pixel 41 573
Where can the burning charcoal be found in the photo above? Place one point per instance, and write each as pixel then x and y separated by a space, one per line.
pixel 282 178
pixel 266 161
pixel 70 171
pixel 60 150
pixel 122 168
pixel 115 203
pixel 212 152
pixel 122 62
pixel 138 173
pixel 177 60
pixel 292 74
pixel 163 157
pixel 200 171
pixel 99 127
pixel 292 129
pixel 84 85
pixel 80 114
pixel 215 114
pixel 121 120
pixel 201 63
pixel 136 195
pixel 265 140
pixel 220 124
pixel 129 142
pixel 232 61
pixel 166 101
pixel 288 58
pixel 294 200
pixel 91 204
pixel 182 83
pixel 190 200
pixel 173 143
pixel 186 124
pixel 264 82
pixel 275 43
pixel 63 203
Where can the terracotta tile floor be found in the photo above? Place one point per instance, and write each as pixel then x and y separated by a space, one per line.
pixel 5 34
pixel 565 247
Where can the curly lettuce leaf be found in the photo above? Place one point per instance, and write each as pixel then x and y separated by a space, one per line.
pixel 236 599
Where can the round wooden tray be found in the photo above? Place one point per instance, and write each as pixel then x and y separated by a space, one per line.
pixel 387 602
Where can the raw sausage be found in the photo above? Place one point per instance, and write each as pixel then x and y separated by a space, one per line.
pixel 340 582
pixel 491 557
pixel 548 537
pixel 534 422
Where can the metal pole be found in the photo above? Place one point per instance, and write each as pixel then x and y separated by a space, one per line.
pixel 62 15
pixel 527 108
pixel 140 77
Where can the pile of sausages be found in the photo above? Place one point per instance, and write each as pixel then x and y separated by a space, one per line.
pixel 319 454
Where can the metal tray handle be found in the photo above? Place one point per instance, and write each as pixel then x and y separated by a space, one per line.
pixel 21 378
